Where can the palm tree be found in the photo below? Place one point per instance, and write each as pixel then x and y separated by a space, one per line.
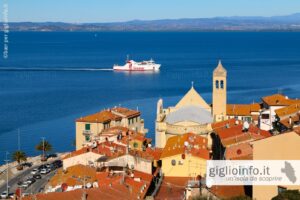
pixel 19 156
pixel 43 146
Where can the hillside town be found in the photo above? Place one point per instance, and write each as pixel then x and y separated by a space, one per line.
pixel 115 158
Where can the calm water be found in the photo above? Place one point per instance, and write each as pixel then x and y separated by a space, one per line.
pixel 46 103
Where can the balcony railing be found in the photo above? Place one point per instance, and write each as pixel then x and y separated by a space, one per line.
pixel 86 132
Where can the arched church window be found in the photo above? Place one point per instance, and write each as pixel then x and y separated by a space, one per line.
pixel 222 84
pixel 217 84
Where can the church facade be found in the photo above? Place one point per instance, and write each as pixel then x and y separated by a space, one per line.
pixel 192 114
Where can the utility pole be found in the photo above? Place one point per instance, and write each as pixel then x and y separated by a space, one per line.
pixel 7 166
pixel 43 138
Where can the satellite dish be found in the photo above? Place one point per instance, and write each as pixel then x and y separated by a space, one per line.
pixel 236 122
pixel 186 143
pixel 149 145
pixel 88 185
pixel 208 185
pixel 246 125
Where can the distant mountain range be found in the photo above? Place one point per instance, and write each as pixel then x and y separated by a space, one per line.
pixel 275 23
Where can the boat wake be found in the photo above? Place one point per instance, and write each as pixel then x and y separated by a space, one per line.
pixel 51 69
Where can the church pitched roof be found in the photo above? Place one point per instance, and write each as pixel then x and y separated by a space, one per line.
pixel 193 98
pixel 220 70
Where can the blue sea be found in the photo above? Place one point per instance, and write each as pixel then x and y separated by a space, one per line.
pixel 52 78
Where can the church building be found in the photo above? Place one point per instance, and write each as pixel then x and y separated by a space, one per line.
pixel 192 114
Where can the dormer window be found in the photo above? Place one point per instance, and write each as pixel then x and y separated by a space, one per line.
pixel 217 84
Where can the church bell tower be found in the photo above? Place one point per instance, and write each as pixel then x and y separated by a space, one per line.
pixel 219 98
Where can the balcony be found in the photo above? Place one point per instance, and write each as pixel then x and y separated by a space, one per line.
pixel 86 132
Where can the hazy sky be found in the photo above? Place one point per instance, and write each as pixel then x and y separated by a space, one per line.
pixel 124 10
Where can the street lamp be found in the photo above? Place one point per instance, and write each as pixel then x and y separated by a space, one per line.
pixel 7 166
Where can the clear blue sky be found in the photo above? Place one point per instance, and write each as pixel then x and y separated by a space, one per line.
pixel 124 10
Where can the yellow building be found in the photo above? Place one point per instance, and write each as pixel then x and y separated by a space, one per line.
pixel 219 97
pixel 185 156
pixel 91 126
pixel 280 147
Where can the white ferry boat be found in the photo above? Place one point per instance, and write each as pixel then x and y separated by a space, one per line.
pixel 131 65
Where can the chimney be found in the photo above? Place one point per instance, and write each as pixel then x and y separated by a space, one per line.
pixel 84 196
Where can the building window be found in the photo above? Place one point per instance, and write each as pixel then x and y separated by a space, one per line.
pixel 87 138
pixel 106 125
pixel 87 127
pixel 222 84
pixel 265 116
pixel 281 189
pixel 217 84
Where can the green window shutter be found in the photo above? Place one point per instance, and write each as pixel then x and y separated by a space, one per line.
pixel 87 127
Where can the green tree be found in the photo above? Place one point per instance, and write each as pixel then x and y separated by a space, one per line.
pixel 19 156
pixel 44 146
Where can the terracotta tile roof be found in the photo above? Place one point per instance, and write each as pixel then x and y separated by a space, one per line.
pixel 238 110
pixel 100 117
pixel 155 152
pixel 76 153
pixel 255 107
pixel 115 130
pixel 279 100
pixel 297 130
pixel 239 151
pixel 175 145
pixel 288 110
pixel 113 180
pixel 125 111
pixel 74 176
pixel 105 178
pixel 110 149
pixel 113 192
pixel 242 109
pixel 106 148
pixel 172 188
pixel 286 121
pixel 223 124
pixel 111 187
pixel 234 134
pixel 109 115
pixel 226 192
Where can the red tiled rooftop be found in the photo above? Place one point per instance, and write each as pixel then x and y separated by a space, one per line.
pixel 73 175
pixel 223 124
pixel 172 188
pixel 239 151
pixel 290 110
pixel 279 100
pixel 242 109
pixel 175 145
pixel 109 115
pixel 234 134
pixel 225 192
pixel 126 112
